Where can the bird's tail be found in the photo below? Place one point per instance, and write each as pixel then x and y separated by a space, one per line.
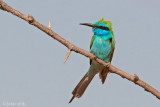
pixel 103 75
pixel 81 87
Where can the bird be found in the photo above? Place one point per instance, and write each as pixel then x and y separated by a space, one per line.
pixel 102 45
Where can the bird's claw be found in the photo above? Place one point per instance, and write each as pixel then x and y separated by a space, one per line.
pixel 94 57
pixel 108 64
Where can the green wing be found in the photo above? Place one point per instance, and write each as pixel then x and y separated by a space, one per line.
pixel 92 40
pixel 113 47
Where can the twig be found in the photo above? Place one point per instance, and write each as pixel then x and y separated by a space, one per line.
pixel 32 21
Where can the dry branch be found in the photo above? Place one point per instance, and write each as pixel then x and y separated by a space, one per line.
pixel 135 79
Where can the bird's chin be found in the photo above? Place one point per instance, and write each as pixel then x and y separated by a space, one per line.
pixel 101 33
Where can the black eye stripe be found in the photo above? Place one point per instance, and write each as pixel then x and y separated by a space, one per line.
pixel 104 28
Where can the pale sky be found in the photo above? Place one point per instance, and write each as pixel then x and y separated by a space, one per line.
pixel 31 63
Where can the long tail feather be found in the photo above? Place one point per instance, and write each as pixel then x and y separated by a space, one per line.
pixel 81 87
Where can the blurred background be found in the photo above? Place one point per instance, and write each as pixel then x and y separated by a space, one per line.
pixel 32 71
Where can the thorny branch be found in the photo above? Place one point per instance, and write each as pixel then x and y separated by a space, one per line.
pixel 135 79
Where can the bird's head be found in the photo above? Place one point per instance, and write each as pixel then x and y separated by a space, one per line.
pixel 100 27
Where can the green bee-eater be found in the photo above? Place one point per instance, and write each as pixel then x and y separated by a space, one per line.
pixel 102 45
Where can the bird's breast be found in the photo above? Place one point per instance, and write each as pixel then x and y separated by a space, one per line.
pixel 101 48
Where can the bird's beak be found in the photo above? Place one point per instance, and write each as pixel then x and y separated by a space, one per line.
pixel 95 26
pixel 88 24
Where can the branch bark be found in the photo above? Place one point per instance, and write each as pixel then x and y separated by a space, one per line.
pixel 135 79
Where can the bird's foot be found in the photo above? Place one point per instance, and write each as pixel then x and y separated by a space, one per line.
pixel 95 57
pixel 108 64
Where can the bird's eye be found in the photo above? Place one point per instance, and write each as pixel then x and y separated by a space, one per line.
pixel 104 28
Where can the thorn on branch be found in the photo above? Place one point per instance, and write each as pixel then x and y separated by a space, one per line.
pixel 49 25
pixel 136 78
pixel 30 19
pixel 68 53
